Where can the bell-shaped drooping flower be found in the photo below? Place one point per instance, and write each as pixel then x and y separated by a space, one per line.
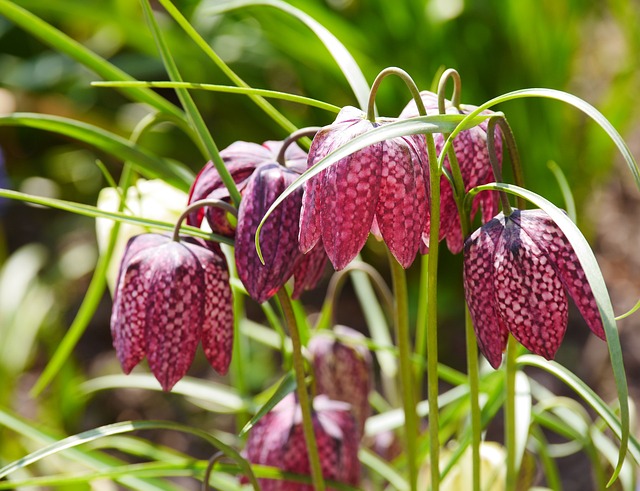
pixel 518 271
pixel 385 182
pixel 171 295
pixel 278 440
pixel 343 369
pixel 241 159
pixel 472 153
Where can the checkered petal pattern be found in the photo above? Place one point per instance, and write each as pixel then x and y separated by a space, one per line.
pixel 169 296
pixel 518 271
pixel 278 440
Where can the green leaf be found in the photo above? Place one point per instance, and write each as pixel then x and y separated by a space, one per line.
pixel 343 58
pixel 144 161
pixel 565 189
pixel 596 281
pixel 439 123
pixel 64 44
pixel 383 469
pixel 286 386
pixel 273 94
pixel 213 396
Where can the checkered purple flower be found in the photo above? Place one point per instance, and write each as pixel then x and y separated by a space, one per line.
pixel 381 188
pixel 170 296
pixel 472 152
pixel 278 440
pixel 518 271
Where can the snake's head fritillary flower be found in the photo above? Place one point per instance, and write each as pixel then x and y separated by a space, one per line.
pixel 343 369
pixel 385 182
pixel 241 159
pixel 170 296
pixel 278 440
pixel 518 271
pixel 472 153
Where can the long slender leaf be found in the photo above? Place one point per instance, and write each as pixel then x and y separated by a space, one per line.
pixel 226 89
pixel 285 387
pixel 276 115
pixel 596 281
pixel 64 44
pixel 383 469
pixel 343 58
pixel 144 161
pixel 565 188
pixel 93 212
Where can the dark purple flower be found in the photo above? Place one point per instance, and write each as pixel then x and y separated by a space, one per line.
pixel 343 369
pixel 241 159
pixel 278 440
pixel 385 182
pixel 279 235
pixel 473 157
pixel 517 273
pixel 170 296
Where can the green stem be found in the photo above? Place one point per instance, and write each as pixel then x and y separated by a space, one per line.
pixel 512 148
pixel 452 74
pixel 303 395
pixel 292 138
pixel 401 318
pixel 474 397
pixel 510 413
pixel 432 313
pixel 413 88
pixel 421 321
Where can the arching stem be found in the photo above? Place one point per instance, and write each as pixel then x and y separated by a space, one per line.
pixel 197 205
pixel 292 138
pixel 398 72
pixel 514 156
pixel 449 73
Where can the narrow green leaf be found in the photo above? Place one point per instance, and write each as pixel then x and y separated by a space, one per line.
pixel 271 111
pixel 216 397
pixel 565 189
pixel 195 118
pixel 144 161
pixel 64 44
pixel 596 281
pixel 286 386
pixel 93 212
pixel 383 469
pixel 341 55
pixel 273 94
pixel 438 123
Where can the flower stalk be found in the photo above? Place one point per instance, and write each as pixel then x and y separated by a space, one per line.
pixel 301 390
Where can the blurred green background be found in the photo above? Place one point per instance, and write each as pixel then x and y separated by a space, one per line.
pixel 588 48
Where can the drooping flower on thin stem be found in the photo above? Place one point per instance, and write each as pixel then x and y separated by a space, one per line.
pixel 343 369
pixel 471 150
pixel 518 270
pixel 381 188
pixel 279 237
pixel 277 440
pixel 171 295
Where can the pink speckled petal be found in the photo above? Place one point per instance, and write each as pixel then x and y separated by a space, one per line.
pixel 128 312
pixel 217 326
pixel 402 205
pixel 174 312
pixel 552 241
pixel 309 270
pixel 529 293
pixel 279 235
pixel 479 289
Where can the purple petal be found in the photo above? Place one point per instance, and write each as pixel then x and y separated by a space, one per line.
pixel 308 271
pixel 552 241
pixel 174 312
pixel 217 327
pixel 479 289
pixel 402 204
pixel 529 293
pixel 279 235
pixel 129 302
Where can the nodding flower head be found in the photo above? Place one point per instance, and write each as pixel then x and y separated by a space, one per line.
pixel 343 369
pixel 518 271
pixel 170 296
pixel 278 440
pixel 382 187
pixel 472 154
pixel 279 235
